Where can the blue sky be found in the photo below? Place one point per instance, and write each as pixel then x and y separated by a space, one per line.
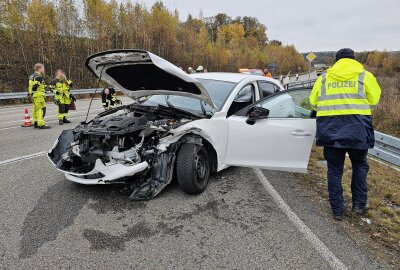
pixel 309 24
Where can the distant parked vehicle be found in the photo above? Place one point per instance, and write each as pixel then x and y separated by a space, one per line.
pixel 320 68
pixel 252 71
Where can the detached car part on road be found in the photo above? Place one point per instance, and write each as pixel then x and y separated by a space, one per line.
pixel 183 125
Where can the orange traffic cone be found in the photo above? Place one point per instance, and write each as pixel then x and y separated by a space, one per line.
pixel 27 121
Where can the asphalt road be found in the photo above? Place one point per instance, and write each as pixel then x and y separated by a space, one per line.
pixel 302 78
pixel 246 219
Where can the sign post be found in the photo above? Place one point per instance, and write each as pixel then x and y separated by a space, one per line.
pixel 310 57
pixel 272 67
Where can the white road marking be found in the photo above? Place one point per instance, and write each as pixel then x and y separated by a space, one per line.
pixel 7 128
pixel 17 159
pixel 51 121
pixel 55 116
pixel 50 105
pixel 319 246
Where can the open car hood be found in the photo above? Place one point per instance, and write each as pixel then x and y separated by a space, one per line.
pixel 141 73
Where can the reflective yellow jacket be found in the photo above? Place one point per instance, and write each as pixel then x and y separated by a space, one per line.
pixel 61 89
pixel 37 85
pixel 345 89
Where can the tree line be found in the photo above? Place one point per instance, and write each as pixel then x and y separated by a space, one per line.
pixel 62 33
pixel 382 62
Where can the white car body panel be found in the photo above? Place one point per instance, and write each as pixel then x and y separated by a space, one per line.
pixel 274 143
pixel 102 62
pixel 214 130
pixel 111 173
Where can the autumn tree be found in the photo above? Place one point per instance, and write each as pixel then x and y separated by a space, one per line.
pixel 62 33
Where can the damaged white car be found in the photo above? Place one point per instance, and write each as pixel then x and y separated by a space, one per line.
pixel 183 125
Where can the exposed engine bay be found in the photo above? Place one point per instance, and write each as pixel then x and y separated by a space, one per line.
pixel 125 142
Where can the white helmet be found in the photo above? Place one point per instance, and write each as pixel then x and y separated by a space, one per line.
pixel 200 68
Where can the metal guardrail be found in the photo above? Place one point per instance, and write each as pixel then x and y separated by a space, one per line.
pixel 17 95
pixel 298 84
pixel 387 148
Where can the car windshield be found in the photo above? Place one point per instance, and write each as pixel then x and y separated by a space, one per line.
pixel 218 91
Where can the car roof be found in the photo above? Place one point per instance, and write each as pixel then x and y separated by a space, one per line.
pixel 231 77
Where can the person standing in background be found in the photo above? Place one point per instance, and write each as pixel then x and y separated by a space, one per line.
pixel 61 87
pixel 267 73
pixel 109 98
pixel 37 93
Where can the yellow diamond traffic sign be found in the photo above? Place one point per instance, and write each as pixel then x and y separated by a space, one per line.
pixel 311 56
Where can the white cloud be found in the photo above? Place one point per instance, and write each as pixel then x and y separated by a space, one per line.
pixel 311 25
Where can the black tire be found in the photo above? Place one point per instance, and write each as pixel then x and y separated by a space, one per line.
pixel 193 168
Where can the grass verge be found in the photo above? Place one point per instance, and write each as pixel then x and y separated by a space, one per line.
pixel 387 114
pixel 382 222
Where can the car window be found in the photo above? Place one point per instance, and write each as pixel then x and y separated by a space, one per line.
pixel 267 88
pixel 244 98
pixel 246 94
pixel 290 104
pixel 219 92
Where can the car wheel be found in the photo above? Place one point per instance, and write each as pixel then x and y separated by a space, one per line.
pixel 193 168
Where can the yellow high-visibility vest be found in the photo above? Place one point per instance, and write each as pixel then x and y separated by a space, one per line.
pixel 345 89
pixel 37 85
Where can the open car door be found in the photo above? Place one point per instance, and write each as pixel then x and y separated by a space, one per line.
pixel 275 133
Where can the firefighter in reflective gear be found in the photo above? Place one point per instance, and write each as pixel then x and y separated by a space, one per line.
pixel 109 98
pixel 61 87
pixel 344 98
pixel 37 93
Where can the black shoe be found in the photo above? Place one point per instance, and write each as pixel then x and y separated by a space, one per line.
pixel 359 211
pixel 35 125
pixel 61 122
pixel 338 217
pixel 44 127
pixel 66 121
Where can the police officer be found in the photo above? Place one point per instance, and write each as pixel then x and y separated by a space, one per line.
pixel 109 98
pixel 37 93
pixel 344 98
pixel 61 87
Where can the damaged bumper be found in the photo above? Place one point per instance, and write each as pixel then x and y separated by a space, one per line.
pixel 100 174
pixel 107 174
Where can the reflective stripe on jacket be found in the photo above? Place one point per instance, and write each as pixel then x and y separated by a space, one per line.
pixel 36 85
pixel 61 89
pixel 108 100
pixel 346 89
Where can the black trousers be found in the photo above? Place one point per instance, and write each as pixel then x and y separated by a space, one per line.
pixel 63 111
pixel 359 188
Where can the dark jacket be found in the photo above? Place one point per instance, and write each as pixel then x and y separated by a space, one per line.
pixel 345 131
pixel 110 98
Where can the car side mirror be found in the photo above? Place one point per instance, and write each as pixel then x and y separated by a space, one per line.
pixel 256 113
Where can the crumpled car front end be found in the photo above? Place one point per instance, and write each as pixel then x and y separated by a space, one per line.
pixel 122 146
